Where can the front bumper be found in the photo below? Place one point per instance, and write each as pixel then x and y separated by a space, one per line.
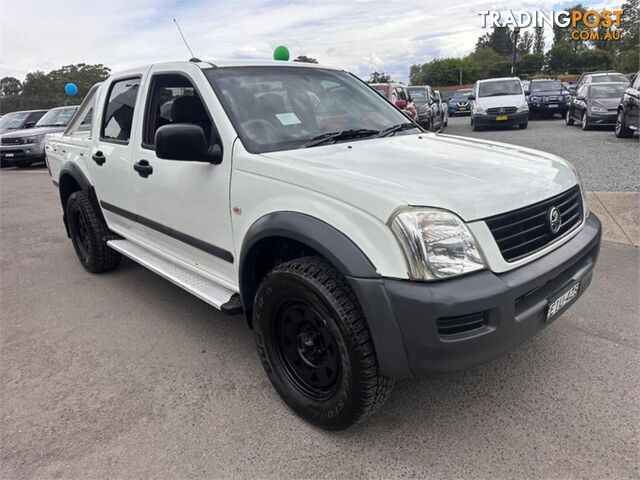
pixel 491 120
pixel 21 154
pixel 456 109
pixel 406 318
pixel 603 119
pixel 560 107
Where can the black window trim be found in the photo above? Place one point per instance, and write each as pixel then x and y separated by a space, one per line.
pixel 147 106
pixel 104 110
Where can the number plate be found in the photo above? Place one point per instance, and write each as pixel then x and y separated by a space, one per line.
pixel 553 105
pixel 8 154
pixel 462 108
pixel 562 300
pixel 501 117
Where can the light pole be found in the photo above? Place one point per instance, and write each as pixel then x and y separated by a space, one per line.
pixel 516 32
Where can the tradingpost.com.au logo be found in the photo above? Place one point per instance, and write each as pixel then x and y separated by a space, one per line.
pixel 590 25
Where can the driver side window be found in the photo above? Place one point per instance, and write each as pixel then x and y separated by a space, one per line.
pixel 173 100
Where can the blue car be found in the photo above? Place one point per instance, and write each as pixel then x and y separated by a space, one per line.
pixel 547 97
pixel 460 103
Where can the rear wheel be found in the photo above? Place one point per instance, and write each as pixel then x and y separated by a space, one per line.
pixel 315 344
pixel 622 131
pixel 584 121
pixel 89 234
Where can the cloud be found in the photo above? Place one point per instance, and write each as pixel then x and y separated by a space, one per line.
pixel 360 36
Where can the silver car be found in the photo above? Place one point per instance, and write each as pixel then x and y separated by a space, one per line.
pixel 22 148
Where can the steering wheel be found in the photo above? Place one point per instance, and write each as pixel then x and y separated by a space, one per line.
pixel 261 128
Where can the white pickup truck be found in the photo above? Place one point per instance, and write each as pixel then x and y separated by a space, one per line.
pixel 359 248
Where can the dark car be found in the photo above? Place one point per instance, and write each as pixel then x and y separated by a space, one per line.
pixel 606 76
pixel 444 109
pixel 23 148
pixel 547 97
pixel 426 103
pixel 595 104
pixel 20 120
pixel 628 118
pixel 460 102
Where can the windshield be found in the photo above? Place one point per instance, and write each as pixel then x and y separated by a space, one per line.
pixel 418 95
pixel 606 91
pixel 540 86
pixel 499 88
pixel 281 108
pixel 57 117
pixel 462 93
pixel 611 77
pixel 13 121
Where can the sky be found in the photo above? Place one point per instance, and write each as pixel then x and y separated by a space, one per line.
pixel 360 36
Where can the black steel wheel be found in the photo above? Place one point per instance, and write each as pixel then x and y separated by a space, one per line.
pixel 315 345
pixel 89 234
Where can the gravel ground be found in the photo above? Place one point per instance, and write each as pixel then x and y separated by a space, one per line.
pixel 605 162
pixel 125 375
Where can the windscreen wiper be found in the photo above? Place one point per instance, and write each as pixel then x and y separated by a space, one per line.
pixel 396 128
pixel 341 135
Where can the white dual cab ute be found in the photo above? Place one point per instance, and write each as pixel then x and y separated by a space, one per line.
pixel 359 248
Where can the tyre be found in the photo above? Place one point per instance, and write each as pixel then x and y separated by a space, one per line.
pixel 315 345
pixel 621 129
pixel 568 120
pixel 584 121
pixel 89 234
pixel 523 125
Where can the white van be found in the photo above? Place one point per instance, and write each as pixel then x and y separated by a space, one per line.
pixel 498 101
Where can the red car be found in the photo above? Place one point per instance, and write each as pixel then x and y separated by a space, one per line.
pixel 397 94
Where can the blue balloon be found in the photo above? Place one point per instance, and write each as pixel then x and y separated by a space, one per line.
pixel 71 89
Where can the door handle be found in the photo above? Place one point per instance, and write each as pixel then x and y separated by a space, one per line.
pixel 143 168
pixel 98 157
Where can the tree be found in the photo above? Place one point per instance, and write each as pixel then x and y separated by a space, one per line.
pixel 500 40
pixel 305 59
pixel 381 77
pixel 445 71
pixel 630 26
pixel 46 90
pixel 595 59
pixel 530 64
pixel 538 40
pixel 10 86
pixel 562 59
pixel 525 43
pixel 628 61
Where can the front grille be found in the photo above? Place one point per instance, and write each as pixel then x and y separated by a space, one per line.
pixel 463 104
pixel 501 110
pixel 464 324
pixel 525 231
pixel 11 141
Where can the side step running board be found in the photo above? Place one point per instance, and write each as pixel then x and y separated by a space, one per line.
pixel 202 287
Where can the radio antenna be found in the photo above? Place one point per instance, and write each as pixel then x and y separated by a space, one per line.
pixel 193 58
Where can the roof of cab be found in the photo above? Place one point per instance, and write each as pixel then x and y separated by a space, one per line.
pixel 206 64
pixel 498 79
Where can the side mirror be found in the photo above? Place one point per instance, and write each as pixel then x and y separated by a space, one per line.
pixel 401 104
pixel 30 124
pixel 471 96
pixel 185 142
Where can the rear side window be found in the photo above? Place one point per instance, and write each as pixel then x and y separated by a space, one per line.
pixel 118 113
pixel 35 116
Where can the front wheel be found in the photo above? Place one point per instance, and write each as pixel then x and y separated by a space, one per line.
pixel 567 119
pixel 315 345
pixel 523 125
pixel 621 130
pixel 584 121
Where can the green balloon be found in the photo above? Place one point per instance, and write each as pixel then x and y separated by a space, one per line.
pixel 281 53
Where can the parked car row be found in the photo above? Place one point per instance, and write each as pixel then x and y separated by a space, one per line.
pixel 420 103
pixel 599 99
pixel 22 134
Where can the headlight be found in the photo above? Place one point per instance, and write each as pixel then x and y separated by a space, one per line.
pixel 523 107
pixel 535 99
pixel 436 243
pixel 478 109
pixel 33 139
pixel 585 206
pixel 596 108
